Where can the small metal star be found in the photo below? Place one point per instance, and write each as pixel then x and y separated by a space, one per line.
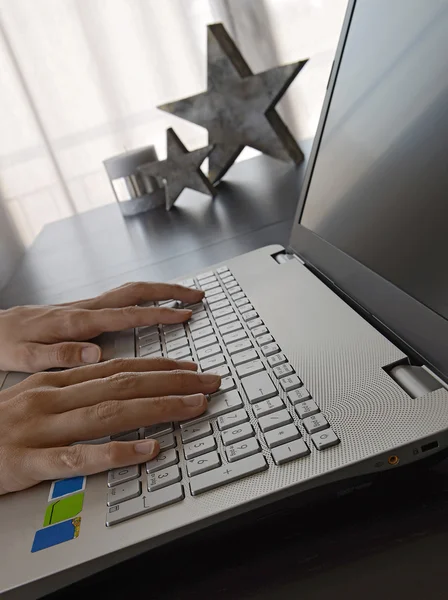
pixel 180 170
pixel 238 107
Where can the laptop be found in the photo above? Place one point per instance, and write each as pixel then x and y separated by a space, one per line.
pixel 333 351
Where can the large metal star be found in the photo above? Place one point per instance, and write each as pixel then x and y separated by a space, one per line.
pixel 180 170
pixel 238 107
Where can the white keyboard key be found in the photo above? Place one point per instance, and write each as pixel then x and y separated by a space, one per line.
pixel 243 357
pixel 199 447
pixel 227 384
pixel 150 349
pixel 255 323
pixel 248 368
pixel 218 305
pixel 201 333
pixel 306 409
pixel 157 430
pixel 175 335
pixel 226 319
pixel 163 478
pixel 217 298
pixel 235 336
pixel 222 312
pixel 227 473
pixel 131 436
pixel 283 370
pixel 250 315
pixel 286 452
pixel 241 301
pixel 230 327
pixel 325 439
pixel 222 270
pixel 213 292
pixel 268 406
pixel 270 349
pixel 184 353
pixel 242 449
pixel 299 395
pixel 238 296
pixel 205 275
pixel 176 344
pixel 203 463
pixel 274 420
pixel 218 405
pixel 196 325
pixel 227 278
pixel 265 339
pixel 212 361
pixel 260 330
pixel 209 351
pixel 187 282
pixel 208 280
pixel 231 284
pixel 276 359
pixel 196 308
pixel 235 290
pixel 150 338
pixel 211 286
pixel 162 461
pixel 232 419
pixel 290 383
pixel 315 423
pixel 239 346
pixel 167 441
pixel 150 329
pixel 259 387
pixel 237 434
pixel 169 303
pixel 206 341
pixel 144 504
pixel 222 371
pixel 196 432
pixel 121 475
pixel 246 308
pixel 123 492
pixel 281 435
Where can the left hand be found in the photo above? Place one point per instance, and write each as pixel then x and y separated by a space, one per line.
pixel 37 338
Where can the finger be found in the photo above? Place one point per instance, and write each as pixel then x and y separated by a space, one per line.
pixel 111 417
pixel 81 324
pixel 119 365
pixel 140 292
pixel 65 355
pixel 125 386
pixel 85 459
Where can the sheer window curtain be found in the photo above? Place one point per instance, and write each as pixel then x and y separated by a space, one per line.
pixel 80 81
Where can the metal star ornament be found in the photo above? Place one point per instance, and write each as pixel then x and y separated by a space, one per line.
pixel 180 170
pixel 238 107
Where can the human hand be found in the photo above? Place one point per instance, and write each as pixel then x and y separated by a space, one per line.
pixel 43 415
pixel 36 338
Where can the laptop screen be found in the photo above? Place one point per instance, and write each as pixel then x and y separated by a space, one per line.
pixel 379 185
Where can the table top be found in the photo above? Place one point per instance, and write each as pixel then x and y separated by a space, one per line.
pixel 389 541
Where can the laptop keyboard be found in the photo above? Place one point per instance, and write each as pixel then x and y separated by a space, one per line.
pixel 225 335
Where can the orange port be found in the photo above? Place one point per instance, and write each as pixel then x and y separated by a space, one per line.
pixel 393 460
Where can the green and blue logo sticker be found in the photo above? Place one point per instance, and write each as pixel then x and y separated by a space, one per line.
pixel 62 522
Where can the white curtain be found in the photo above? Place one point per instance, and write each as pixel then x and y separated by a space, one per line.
pixel 80 81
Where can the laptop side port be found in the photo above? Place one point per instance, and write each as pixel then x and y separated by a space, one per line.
pixel 430 446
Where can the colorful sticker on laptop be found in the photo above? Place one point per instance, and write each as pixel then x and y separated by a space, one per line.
pixel 63 509
pixel 56 534
pixel 66 487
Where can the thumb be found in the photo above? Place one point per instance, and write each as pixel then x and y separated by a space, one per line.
pixel 66 354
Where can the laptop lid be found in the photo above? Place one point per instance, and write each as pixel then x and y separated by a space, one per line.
pixel 372 218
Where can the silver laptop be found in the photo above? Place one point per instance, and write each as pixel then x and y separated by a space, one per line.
pixel 333 352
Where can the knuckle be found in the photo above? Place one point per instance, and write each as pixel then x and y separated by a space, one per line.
pixel 181 379
pixel 164 406
pixel 119 365
pixel 39 380
pixel 28 354
pixel 63 355
pixel 73 457
pixel 108 411
pixel 123 382
pixel 131 311
pixel 114 453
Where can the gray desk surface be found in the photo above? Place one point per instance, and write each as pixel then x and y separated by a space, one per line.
pixel 389 542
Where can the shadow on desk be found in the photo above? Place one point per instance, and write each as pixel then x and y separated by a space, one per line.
pixel 386 541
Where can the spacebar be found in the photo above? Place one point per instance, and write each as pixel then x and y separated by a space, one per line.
pixel 227 473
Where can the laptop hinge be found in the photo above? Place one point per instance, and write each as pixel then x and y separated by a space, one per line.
pixel 415 381
pixel 285 256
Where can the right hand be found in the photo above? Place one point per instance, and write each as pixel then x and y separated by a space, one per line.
pixel 41 417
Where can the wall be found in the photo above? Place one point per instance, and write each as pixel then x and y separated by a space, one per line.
pixel 11 248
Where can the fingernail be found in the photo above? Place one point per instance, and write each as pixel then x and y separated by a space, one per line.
pixel 185 311
pixel 146 447
pixel 90 355
pixel 194 400
pixel 209 378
